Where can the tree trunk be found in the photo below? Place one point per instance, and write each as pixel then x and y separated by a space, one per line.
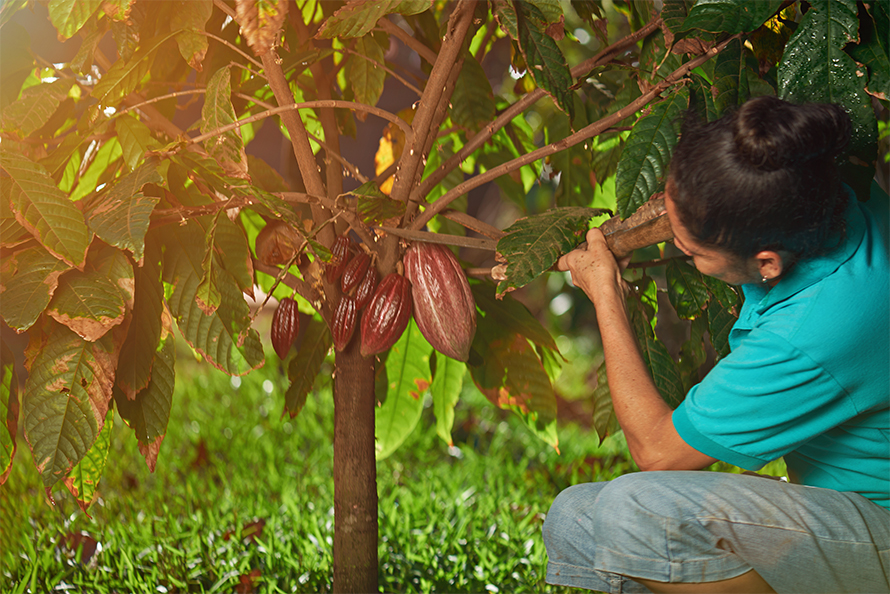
pixel 355 473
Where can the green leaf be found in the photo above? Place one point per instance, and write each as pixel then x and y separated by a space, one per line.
pixel 720 322
pixel 149 412
pixel 511 315
pixel 725 293
pixel 225 337
pixel 730 16
pixel 121 216
pixel 472 102
pixel 92 301
pixel 190 17
pixel 512 377
pixel 83 482
pixel 135 139
pixel 647 153
pixel 408 379
pixel 100 170
pixel 445 389
pixel 9 8
pixel 545 61
pixel 9 410
pixel 664 370
pixel 873 50
pixel 692 353
pixel 374 207
pixel 604 420
pixel 675 12
pixel 533 244
pixel 304 367
pixel 356 19
pixel 731 74
pixel 125 75
pixel 68 16
pixel 365 68
pixel 66 400
pixel 814 68
pixel 42 209
pixel 686 289
pixel 701 97
pixel 28 278
pixel 144 334
pixel 226 148
pixel 32 110
pixel 230 244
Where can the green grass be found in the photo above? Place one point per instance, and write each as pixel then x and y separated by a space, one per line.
pixel 243 498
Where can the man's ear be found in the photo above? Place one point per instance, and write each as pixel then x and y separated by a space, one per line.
pixel 771 264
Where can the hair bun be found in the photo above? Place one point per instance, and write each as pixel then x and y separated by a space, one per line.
pixel 772 134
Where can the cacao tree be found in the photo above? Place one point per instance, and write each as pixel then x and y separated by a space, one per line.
pixel 140 200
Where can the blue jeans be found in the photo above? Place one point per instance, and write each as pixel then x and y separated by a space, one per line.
pixel 699 526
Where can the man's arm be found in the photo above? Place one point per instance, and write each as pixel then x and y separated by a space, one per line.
pixel 642 413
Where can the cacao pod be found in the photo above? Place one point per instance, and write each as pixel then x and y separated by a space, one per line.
pixel 387 314
pixel 444 308
pixel 285 326
pixel 366 288
pixel 343 324
pixel 355 271
pixel 341 253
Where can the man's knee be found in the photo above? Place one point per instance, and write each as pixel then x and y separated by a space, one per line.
pixel 567 526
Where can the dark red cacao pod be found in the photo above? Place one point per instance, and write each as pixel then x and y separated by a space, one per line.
pixel 444 308
pixel 285 326
pixel 343 324
pixel 341 254
pixel 355 271
pixel 366 288
pixel 387 314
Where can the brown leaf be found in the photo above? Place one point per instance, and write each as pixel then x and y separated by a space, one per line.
pixel 260 23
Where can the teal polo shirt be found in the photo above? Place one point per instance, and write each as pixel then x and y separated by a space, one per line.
pixel 808 376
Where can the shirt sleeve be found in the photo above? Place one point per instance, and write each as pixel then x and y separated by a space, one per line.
pixel 763 400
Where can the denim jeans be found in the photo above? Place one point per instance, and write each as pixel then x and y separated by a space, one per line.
pixel 698 526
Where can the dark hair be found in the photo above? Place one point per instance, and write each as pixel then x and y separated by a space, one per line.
pixel 763 177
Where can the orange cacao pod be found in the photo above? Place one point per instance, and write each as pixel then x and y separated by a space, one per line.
pixel 285 326
pixel 387 314
pixel 343 324
pixel 355 271
pixel 366 288
pixel 444 308
pixel 341 253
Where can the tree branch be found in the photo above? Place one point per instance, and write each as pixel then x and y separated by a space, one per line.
pixel 585 133
pixel 483 136
pixel 413 157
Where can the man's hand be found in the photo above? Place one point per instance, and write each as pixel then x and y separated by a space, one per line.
pixel 593 267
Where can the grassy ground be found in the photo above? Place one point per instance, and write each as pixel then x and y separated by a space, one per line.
pixel 242 500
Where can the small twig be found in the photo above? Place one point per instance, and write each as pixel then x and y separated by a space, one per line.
pixel 233 47
pixel 303 288
pixel 654 263
pixel 307 105
pixel 423 51
pixel 355 223
pixel 386 68
pixel 159 98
